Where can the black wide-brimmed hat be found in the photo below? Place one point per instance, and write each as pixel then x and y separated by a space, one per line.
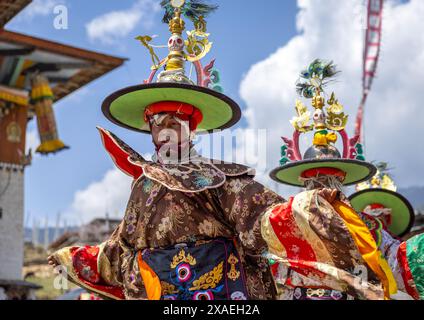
pixel 402 213
pixel 381 192
pixel 126 107
pixel 354 170
pixel 328 121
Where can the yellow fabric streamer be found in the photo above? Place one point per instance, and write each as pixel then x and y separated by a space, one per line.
pixel 7 96
pixel 51 146
pixel 41 91
pixel 150 279
pixel 367 247
pixel 42 100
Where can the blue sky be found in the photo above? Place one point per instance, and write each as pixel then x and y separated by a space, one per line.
pixel 243 32
pixel 259 46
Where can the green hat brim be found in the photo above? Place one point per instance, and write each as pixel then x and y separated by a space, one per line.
pixel 403 215
pixel 356 170
pixel 126 107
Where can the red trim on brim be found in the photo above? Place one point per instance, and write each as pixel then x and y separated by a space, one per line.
pixel 312 173
pixel 184 111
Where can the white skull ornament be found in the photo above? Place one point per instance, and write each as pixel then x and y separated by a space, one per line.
pixel 319 118
pixel 175 43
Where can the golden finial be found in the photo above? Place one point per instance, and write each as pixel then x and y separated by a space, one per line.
pixel 177 24
pixel 318 102
pixel 180 50
pixel 176 56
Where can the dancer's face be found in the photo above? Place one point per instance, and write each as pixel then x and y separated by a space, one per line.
pixel 166 128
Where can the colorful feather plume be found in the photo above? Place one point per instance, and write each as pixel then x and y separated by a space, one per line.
pixel 318 74
pixel 305 89
pixel 192 9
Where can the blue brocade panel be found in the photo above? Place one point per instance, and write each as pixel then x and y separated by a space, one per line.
pixel 207 271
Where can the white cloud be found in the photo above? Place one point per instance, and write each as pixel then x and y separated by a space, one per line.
pixel 109 195
pixel 40 8
pixel 114 25
pixel 332 29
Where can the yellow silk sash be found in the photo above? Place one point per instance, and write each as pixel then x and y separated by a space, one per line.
pixel 367 247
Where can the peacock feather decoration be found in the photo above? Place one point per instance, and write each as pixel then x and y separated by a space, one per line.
pixel 192 9
pixel 318 74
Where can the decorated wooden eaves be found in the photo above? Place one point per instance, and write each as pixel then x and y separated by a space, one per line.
pixel 10 8
pixel 34 74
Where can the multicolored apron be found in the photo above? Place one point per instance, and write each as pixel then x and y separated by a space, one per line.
pixel 211 270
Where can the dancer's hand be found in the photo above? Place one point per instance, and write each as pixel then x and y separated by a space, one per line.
pixel 52 261
pixel 329 194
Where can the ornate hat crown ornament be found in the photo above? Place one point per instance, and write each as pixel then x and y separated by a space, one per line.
pixel 381 180
pixel 327 120
pixel 193 49
pixel 378 197
pixel 126 107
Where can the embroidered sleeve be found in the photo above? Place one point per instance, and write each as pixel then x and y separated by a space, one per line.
pixel 96 268
pixel 244 201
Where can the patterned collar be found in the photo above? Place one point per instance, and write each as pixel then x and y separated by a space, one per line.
pixel 193 157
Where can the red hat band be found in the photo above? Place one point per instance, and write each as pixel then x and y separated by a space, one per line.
pixel 183 111
pixel 312 173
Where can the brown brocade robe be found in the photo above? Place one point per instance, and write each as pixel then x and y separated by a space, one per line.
pixel 172 204
pixel 317 249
